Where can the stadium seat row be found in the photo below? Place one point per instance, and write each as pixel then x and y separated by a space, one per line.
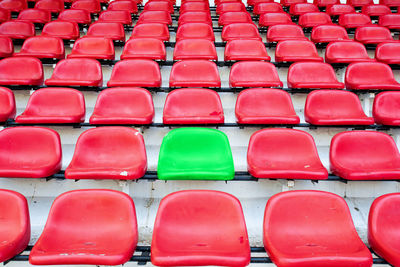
pixel 83 72
pixel 197 154
pixel 187 106
pixel 201 227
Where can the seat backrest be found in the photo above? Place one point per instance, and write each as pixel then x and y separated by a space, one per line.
pixel 21 71
pixel 320 217
pixel 194 73
pixel 32 152
pixel 363 150
pixel 195 31
pixel 78 69
pixel 15 226
pixel 370 75
pixel 193 106
pixel 195 153
pixel 7 104
pixel 137 106
pixel 386 108
pixel 54 105
pixel 61 29
pixel 208 216
pixel 334 107
pixel 240 31
pixel 75 15
pixel 346 52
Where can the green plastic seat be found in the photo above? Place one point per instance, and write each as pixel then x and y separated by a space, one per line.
pixel 195 154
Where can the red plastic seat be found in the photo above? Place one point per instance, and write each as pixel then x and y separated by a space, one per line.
pixel 76 72
pixel 390 3
pixel 254 74
pixel 123 105
pixel 284 154
pixel 54 105
pixel 376 10
pixel 390 21
pixel 29 152
pixel 370 75
pixel 386 109
pixel 21 71
pixel 354 20
pixel 34 16
pixel 93 47
pixel 210 231
pixel 346 52
pixel 75 15
pixel 312 75
pixel 262 8
pixel 6 47
pixel 15 226
pixel 234 31
pixel 17 29
pixel 144 48
pixel 245 50
pixel 194 6
pixel 288 3
pixel 383 222
pixel 372 35
pixel 195 49
pixel 195 31
pixel 339 9
pixel 54 6
pixel 284 32
pixel 319 218
pixel 325 3
pixel 194 73
pixel 364 155
pixel 270 19
pixel 159 6
pixel 108 153
pixel 359 3
pixel 199 16
pixel 255 2
pixel 234 17
pixel 193 106
pixel 14 5
pixel 62 29
pixel 135 72
pixel 296 50
pixel 5 15
pixel 7 104
pixel 335 107
pixel 42 47
pixel 265 106
pixel 313 19
pixel 111 30
pixel 69 236
pixel 328 33
pixel 91 6
pixel 119 16
pixel 388 52
pixel 163 17
pixel 124 6
pixel 302 8
pixel 153 30
pixel 230 7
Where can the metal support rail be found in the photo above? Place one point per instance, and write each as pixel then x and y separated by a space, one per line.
pixel 169 89
pixel 106 62
pixel 12 123
pixel 145 256
pixel 151 176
